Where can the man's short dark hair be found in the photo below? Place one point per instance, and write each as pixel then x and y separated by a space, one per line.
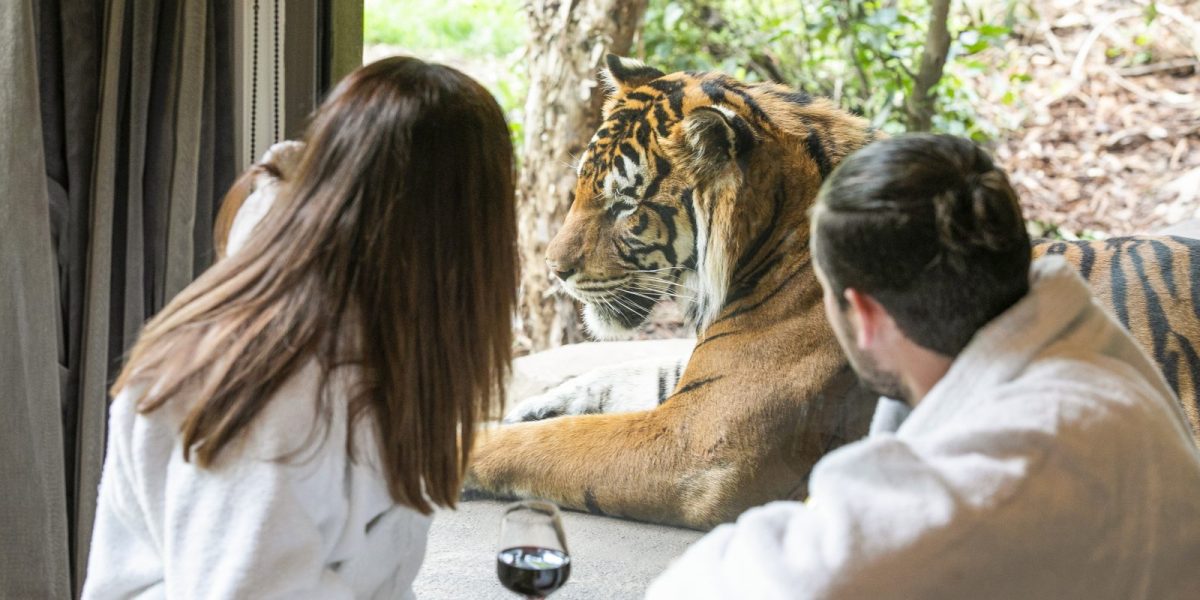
pixel 931 229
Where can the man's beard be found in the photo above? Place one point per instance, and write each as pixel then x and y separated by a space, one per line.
pixel 872 376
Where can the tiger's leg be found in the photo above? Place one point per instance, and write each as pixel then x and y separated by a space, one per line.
pixel 625 387
pixel 698 459
pixel 645 465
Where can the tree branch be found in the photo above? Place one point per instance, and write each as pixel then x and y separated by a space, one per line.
pixel 937 45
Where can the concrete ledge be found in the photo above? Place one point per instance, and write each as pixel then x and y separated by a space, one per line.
pixel 611 559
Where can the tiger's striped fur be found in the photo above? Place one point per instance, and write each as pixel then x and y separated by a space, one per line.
pixel 698 186
pixel 1152 286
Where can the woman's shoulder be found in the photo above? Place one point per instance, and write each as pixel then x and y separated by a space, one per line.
pixel 305 417
pixel 127 421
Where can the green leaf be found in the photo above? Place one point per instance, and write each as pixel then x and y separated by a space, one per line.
pixel 993 30
pixel 977 47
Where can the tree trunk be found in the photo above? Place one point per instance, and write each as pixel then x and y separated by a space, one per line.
pixel 933 59
pixel 567 44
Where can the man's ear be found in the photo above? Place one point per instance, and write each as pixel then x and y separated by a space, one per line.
pixel 624 74
pixel 871 319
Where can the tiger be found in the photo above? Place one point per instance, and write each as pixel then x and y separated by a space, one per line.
pixel 697 187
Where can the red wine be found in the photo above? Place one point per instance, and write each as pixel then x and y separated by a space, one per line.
pixel 533 571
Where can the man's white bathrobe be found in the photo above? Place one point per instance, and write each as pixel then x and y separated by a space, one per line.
pixel 315 525
pixel 1051 461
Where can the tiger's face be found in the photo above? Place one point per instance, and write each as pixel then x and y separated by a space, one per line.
pixel 688 176
pixel 629 238
pixel 637 231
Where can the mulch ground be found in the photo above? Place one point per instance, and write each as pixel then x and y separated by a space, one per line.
pixel 1104 137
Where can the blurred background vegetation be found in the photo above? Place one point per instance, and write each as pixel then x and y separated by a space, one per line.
pixel 1091 106
pixel 489 28
pixel 861 53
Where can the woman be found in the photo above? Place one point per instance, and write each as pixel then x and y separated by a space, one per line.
pixel 288 422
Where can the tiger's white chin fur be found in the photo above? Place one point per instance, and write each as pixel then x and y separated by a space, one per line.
pixel 603 328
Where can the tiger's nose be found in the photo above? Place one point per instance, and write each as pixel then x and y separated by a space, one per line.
pixel 562 271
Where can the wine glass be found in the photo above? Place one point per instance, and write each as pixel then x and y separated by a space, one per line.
pixel 533 559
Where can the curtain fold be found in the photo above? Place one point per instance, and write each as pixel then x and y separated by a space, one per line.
pixel 33 516
pixel 116 143
pixel 181 227
pixel 71 110
pixel 94 366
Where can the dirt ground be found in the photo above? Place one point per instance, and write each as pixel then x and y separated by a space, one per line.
pixel 1104 137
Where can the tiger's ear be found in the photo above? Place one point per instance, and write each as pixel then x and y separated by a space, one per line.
pixel 624 74
pixel 715 136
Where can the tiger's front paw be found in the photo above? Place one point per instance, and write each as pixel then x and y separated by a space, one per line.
pixel 537 408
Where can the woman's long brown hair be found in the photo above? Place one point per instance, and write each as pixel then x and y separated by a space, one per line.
pixel 393 248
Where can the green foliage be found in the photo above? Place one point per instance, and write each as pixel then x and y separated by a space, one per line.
pixel 466 27
pixel 862 53
pixel 484 38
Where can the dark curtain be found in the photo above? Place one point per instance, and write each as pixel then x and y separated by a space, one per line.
pixel 116 134
pixel 33 514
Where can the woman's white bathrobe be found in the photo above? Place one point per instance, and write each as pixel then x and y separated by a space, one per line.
pixel 1051 461
pixel 315 525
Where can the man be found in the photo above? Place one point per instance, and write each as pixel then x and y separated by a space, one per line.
pixel 1044 456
